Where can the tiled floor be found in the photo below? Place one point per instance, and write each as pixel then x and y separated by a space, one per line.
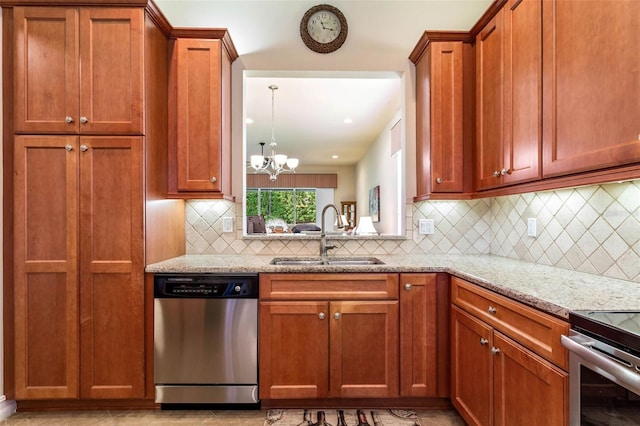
pixel 203 417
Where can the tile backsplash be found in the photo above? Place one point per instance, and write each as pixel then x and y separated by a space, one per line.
pixel 593 229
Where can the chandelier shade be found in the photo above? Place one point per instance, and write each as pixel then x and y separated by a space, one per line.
pixel 272 164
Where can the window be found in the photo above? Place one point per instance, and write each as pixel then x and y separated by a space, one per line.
pixel 291 205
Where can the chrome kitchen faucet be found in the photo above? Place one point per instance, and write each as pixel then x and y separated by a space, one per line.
pixel 323 238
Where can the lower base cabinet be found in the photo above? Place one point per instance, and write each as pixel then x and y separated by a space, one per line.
pixel 345 335
pixel 335 337
pixel 498 381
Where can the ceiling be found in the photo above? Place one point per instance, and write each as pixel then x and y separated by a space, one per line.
pixel 310 112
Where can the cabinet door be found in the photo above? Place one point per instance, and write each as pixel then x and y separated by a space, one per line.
pixel 527 389
pixel 364 349
pixel 46 69
pixel 591 85
pixel 418 335
pixel 46 272
pixel 111 267
pixel 111 60
pixel 490 103
pixel 471 368
pixel 522 86
pixel 199 114
pixel 294 350
pixel 446 121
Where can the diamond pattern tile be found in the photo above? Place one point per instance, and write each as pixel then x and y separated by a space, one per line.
pixel 594 229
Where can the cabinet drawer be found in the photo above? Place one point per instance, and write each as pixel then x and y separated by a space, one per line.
pixel 328 286
pixel 535 330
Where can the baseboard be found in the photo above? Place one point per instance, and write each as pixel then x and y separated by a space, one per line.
pixel 7 408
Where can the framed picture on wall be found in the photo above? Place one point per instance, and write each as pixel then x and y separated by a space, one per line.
pixel 374 203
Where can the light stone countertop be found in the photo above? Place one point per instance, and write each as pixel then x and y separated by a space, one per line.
pixel 553 290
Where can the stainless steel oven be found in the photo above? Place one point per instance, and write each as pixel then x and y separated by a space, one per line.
pixel 206 339
pixel 604 368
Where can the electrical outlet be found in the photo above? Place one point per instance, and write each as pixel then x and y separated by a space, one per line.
pixel 227 224
pixel 532 227
pixel 426 226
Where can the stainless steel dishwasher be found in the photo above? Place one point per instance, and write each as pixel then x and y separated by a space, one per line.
pixel 206 338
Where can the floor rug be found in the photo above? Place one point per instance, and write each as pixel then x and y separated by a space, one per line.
pixel 341 417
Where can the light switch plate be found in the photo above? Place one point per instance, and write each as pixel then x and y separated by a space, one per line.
pixel 426 226
pixel 227 224
pixel 532 227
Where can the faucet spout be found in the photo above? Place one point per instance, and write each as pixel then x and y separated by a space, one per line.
pixel 324 247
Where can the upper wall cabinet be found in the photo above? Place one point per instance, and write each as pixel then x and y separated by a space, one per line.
pixel 591 85
pixel 508 58
pixel 444 113
pixel 78 70
pixel 200 117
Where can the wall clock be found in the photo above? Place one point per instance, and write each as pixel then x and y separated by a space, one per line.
pixel 323 28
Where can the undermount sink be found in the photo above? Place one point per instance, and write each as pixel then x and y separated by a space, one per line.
pixel 316 261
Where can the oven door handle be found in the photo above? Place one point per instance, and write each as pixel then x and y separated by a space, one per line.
pixel 615 371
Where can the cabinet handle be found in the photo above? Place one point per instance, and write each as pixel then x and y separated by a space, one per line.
pixel 69 147
pixel 336 315
pixel 505 172
pixel 496 174
pixel 68 119
pixel 84 148
pixel 407 286
pixel 438 180
pixel 494 350
pixel 492 310
pixel 84 120
pixel 321 315
pixel 213 179
pixel 483 341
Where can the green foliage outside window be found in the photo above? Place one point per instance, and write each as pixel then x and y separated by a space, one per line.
pixel 292 205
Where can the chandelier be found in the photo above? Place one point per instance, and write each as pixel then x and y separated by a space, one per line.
pixel 272 164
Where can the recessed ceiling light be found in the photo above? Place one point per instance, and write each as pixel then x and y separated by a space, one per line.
pixel 249 120
pixel 348 120
pixel 334 156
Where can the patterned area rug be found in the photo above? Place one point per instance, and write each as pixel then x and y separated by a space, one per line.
pixel 347 417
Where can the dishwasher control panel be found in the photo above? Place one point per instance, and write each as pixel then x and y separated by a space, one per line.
pixel 206 286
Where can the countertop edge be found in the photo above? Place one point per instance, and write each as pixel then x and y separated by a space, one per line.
pixel 552 290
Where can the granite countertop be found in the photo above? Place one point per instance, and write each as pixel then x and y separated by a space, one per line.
pixel 553 290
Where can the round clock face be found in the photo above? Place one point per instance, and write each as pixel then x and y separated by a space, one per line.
pixel 323 28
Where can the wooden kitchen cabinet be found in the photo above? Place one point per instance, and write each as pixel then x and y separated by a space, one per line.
pixel 471 368
pixel 444 113
pixel 591 87
pixel 502 371
pixel 78 70
pixel 80 214
pixel 200 117
pixel 509 76
pixel 328 344
pixel 79 318
pixel 424 332
pixel 294 350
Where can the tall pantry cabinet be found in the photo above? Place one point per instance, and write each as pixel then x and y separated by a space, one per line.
pixel 88 144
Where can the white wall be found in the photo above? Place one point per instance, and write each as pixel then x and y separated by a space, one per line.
pixel 378 167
